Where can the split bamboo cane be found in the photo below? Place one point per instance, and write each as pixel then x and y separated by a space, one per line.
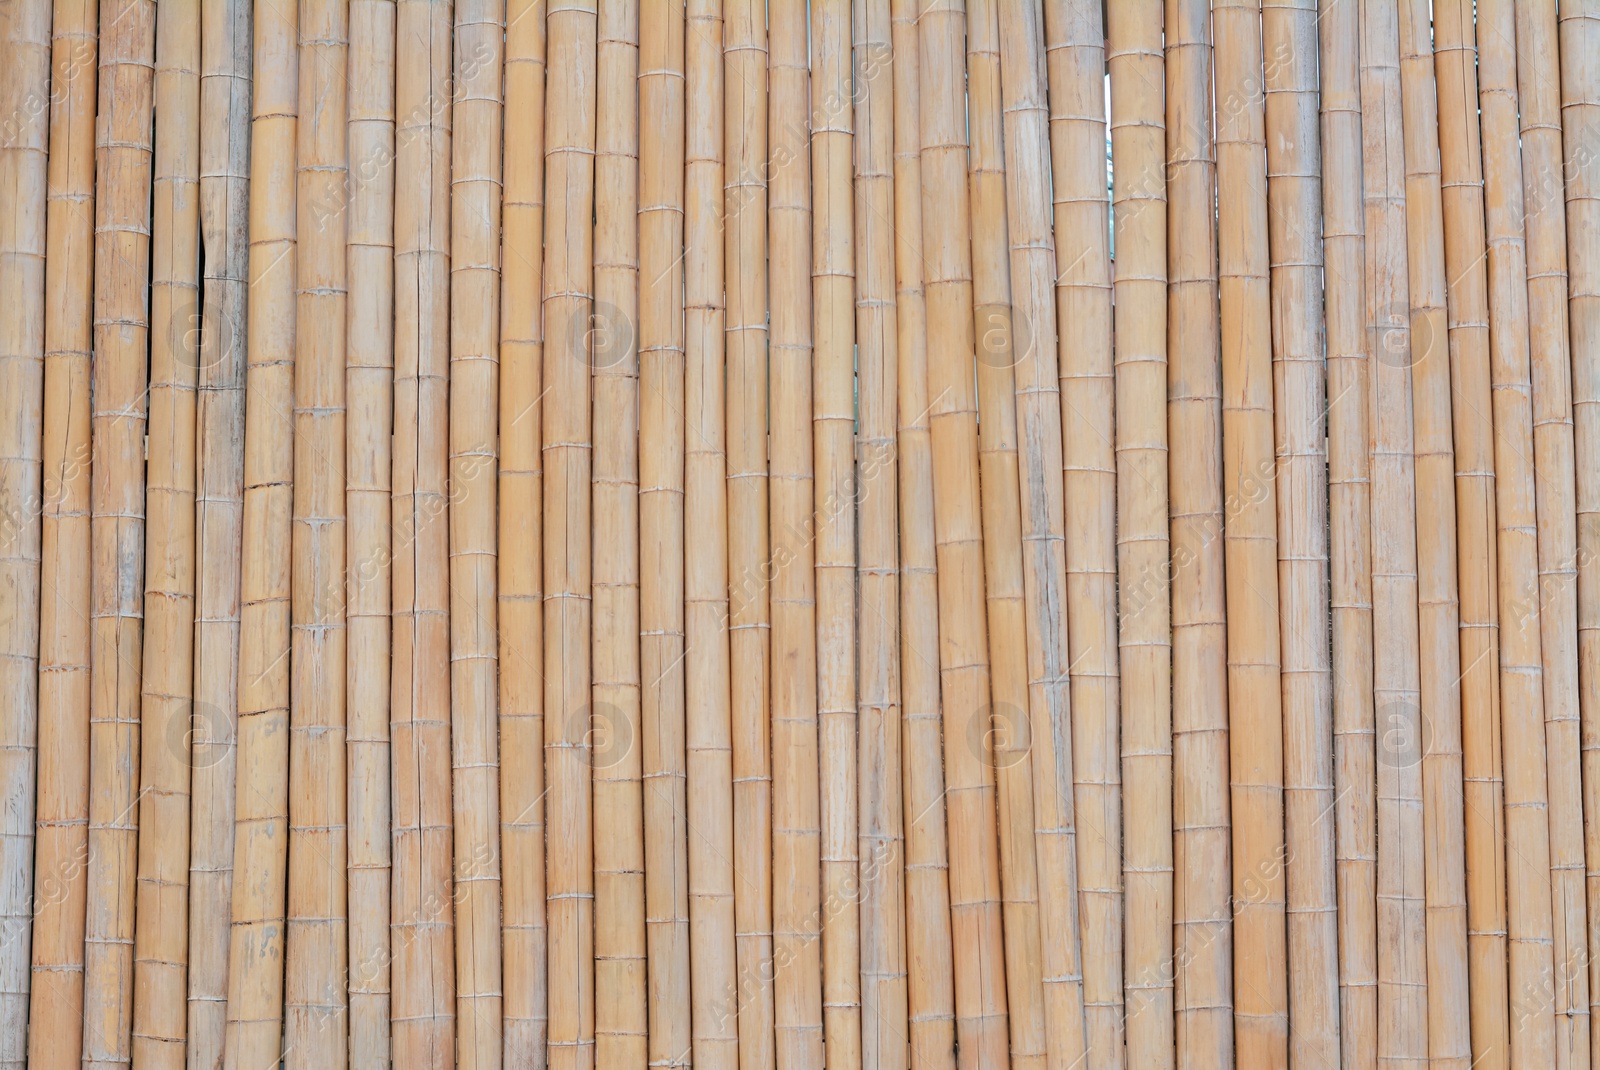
pixel 474 624
pixel 24 147
pixel 254 1027
pixel 422 1000
pixel 930 985
pixel 621 1011
pixel 1543 180
pixel 1530 1030
pixel 1203 928
pixel 1402 1018
pixel 161 938
pixel 885 1018
pixel 225 78
pixel 749 614
pixel 123 171
pixel 796 862
pixel 369 463
pixel 55 1014
pixel 521 541
pixel 1076 58
pixel 1350 533
pixel 981 1007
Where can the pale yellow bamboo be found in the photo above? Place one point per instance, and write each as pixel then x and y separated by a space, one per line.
pixel 621 1013
pixel 1076 57
pixel 422 1001
pixel 521 541
pixel 980 999
pixel 369 461
pixel 1202 922
pixel 123 169
pixel 55 1036
pixel 930 987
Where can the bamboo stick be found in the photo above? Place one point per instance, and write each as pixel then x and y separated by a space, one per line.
pixel 369 462
pixel 930 987
pixel 167 709
pixel 55 1014
pixel 796 862
pixel 422 1000
pixel 1076 57
pixel 981 1019
pixel 474 625
pixel 1350 533
pixel 749 612
pixel 1203 930
pixel 123 169
pixel 521 541
pixel 621 1008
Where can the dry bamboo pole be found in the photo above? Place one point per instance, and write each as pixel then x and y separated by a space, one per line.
pixel 1203 928
pixel 474 625
pixel 254 1026
pixel 1529 1032
pixel 521 541
pixel 1076 59
pixel 369 461
pixel 1402 1021
pixel 123 171
pixel 621 1012
pixel 1543 180
pixel 885 1018
pixel 423 993
pixel 60 879
pixel 166 709
pixel 1037 393
pixel 749 615
pixel 796 862
pixel 981 1007
pixel 930 987
pixel 1294 192
pixel 1350 529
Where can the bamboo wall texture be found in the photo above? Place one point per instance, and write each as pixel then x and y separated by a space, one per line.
pixel 855 533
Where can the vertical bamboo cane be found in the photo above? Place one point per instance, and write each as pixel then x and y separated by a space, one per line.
pixel 166 709
pixel 422 1002
pixel 796 862
pixel 1401 920
pixel 55 1015
pixel 621 1008
pixel 474 442
pixel 930 987
pixel 1203 928
pixel 254 1027
pixel 975 922
pixel 123 154
pixel 749 617
pixel 521 541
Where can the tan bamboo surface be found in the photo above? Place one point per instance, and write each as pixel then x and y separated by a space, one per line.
pixel 123 170
pixel 744 42
pixel 369 461
pixel 621 1011
pixel 1349 533
pixel 422 903
pixel 475 179
pixel 930 982
pixel 569 168
pixel 521 541
pixel 55 1036
pixel 885 1014
pixel 1202 920
pixel 1402 1022
pixel 161 938
pixel 797 904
